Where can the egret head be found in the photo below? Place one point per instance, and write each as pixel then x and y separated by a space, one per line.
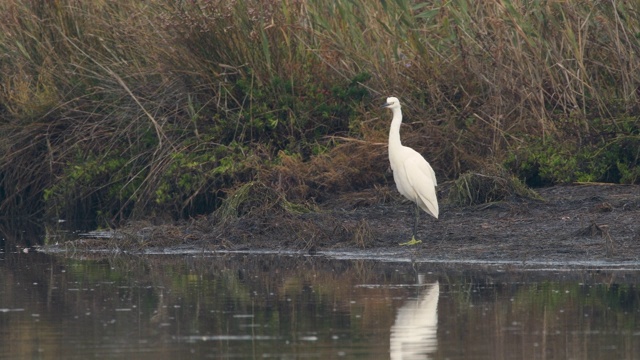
pixel 392 103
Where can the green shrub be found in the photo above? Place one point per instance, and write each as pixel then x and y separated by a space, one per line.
pixel 611 154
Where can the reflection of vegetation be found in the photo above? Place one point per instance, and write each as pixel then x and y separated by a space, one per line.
pixel 552 296
pixel 538 318
pixel 170 298
pixel 283 297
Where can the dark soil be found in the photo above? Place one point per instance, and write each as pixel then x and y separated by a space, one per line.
pixel 585 223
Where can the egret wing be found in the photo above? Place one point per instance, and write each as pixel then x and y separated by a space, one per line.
pixel 422 179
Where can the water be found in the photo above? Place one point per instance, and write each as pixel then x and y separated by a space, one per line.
pixel 269 306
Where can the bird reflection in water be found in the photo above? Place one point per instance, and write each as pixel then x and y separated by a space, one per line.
pixel 414 333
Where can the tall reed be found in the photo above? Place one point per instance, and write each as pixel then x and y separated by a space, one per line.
pixel 124 109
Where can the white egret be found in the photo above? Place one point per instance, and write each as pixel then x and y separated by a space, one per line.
pixel 414 177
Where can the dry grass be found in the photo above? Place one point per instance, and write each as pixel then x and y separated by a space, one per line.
pixel 362 234
pixel 125 109
pixel 347 167
pixel 255 199
pixel 474 188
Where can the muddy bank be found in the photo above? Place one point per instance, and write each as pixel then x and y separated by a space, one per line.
pixel 576 223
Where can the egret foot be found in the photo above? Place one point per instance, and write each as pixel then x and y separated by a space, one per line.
pixel 413 241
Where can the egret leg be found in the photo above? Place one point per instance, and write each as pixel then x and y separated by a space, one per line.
pixel 415 221
pixel 413 240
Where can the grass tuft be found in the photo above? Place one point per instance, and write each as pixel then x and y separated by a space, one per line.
pixel 474 189
pixel 254 199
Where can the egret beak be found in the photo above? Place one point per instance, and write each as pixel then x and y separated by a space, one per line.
pixel 386 105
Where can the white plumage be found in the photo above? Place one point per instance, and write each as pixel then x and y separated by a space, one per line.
pixel 414 177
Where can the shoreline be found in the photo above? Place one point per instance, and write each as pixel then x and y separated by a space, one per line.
pixel 591 223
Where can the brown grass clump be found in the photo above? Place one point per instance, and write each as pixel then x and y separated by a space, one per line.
pixel 349 166
pixel 255 199
pixel 362 235
pixel 255 210
pixel 474 188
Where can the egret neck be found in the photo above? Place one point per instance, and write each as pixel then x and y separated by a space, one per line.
pixel 394 131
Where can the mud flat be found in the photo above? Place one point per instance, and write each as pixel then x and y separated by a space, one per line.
pixel 573 225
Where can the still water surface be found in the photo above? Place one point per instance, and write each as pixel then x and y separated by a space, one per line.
pixel 244 306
